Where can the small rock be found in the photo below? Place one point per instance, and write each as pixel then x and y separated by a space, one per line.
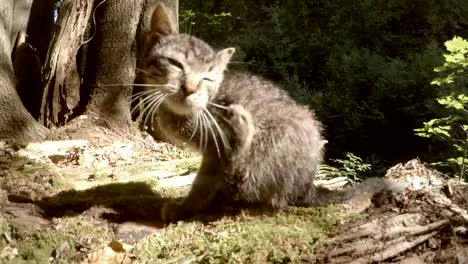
pixel 412 260
pixel 177 181
pixel 131 232
pixel 8 252
pixel 28 223
pixel 56 151
pixel 61 250
pixel 24 217
pixel 56 147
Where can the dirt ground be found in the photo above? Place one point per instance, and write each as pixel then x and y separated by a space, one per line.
pixel 97 200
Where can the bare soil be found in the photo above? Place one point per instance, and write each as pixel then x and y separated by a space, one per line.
pixel 96 197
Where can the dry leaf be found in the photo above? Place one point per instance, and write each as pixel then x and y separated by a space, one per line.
pixel 112 253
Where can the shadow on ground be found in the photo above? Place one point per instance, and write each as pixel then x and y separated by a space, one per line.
pixel 116 202
pixel 123 202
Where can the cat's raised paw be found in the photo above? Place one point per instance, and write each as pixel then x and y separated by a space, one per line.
pixel 242 123
pixel 239 116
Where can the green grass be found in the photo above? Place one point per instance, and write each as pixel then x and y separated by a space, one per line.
pixel 286 237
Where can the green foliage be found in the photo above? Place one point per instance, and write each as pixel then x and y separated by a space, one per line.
pixel 364 67
pixel 452 126
pixel 353 168
pixel 220 24
pixel 452 129
pixel 456 62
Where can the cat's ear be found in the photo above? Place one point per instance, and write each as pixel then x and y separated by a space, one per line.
pixel 161 23
pixel 224 56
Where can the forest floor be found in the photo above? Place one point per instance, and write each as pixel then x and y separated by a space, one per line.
pixel 98 201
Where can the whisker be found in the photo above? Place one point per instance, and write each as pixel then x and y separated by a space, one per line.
pixel 154 85
pixel 151 107
pixel 202 133
pixel 220 131
pixel 148 110
pixel 219 106
pixel 144 93
pixel 156 107
pixel 145 99
pixel 135 108
pixel 240 62
pixel 215 140
pixel 146 106
pixel 200 140
pixel 195 127
pixel 146 72
pixel 141 94
pixel 212 132
pixel 134 84
pixel 204 142
pixel 224 118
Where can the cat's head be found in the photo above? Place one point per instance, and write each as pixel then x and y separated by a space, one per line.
pixel 184 67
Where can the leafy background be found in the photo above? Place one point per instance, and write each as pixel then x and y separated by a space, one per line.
pixel 365 67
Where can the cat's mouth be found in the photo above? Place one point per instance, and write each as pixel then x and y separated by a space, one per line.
pixel 182 104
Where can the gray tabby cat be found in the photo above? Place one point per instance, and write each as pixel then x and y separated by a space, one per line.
pixel 259 146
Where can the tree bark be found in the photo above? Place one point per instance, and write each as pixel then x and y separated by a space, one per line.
pixel 41 26
pixel 111 59
pixel 31 49
pixel 16 123
pixel 115 51
pixel 61 76
pixel 21 9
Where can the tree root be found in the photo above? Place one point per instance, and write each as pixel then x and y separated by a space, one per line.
pixel 405 225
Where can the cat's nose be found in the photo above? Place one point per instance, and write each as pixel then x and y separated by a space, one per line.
pixel 188 90
pixel 189 86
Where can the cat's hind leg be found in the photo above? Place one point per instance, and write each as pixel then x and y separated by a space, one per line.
pixel 207 185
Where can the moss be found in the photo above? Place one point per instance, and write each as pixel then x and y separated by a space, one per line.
pixel 39 171
pixel 41 247
pixel 289 236
pixel 176 166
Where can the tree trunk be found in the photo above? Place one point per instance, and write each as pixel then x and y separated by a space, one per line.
pixel 116 48
pixel 111 59
pixel 79 67
pixel 30 52
pixel 115 51
pixel 61 76
pixel 16 123
pixel 21 9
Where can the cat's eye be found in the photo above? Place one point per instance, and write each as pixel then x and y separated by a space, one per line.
pixel 175 63
pixel 153 71
pixel 208 79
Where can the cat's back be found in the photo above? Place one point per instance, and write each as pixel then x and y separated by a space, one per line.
pixel 244 87
pixel 265 99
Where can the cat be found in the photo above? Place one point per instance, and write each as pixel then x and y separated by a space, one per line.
pixel 258 145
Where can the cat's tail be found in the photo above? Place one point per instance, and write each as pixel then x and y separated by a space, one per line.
pixel 321 196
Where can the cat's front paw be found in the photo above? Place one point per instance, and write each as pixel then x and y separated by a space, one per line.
pixel 242 123
pixel 172 212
